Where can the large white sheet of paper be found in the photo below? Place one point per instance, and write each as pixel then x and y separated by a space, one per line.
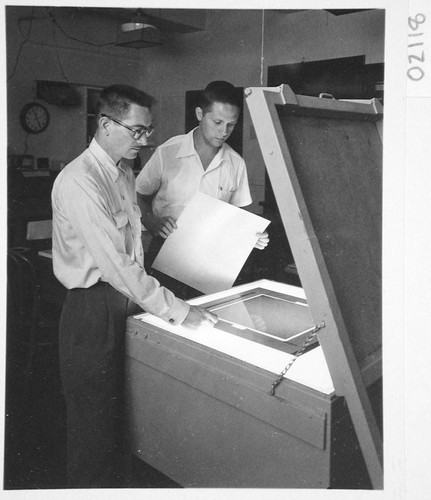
pixel 210 245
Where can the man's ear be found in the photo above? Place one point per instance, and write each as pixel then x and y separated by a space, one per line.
pixel 199 113
pixel 104 124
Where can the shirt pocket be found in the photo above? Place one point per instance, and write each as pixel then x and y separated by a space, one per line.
pixel 136 211
pixel 224 192
pixel 136 222
pixel 226 185
pixel 121 219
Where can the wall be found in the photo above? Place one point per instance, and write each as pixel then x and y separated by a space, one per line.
pixel 229 49
pixel 50 55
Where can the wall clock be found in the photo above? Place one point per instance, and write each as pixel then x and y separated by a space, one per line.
pixel 34 118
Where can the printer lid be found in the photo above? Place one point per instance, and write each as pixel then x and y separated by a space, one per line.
pixel 324 161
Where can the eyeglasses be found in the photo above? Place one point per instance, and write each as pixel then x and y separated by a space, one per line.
pixel 137 132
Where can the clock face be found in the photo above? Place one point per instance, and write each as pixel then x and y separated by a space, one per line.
pixel 34 118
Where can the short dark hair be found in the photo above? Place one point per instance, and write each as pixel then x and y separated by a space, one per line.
pixel 219 91
pixel 116 100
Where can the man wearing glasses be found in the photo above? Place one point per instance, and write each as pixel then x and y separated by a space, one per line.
pixel 98 257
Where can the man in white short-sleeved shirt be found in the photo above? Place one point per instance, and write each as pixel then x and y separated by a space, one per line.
pixel 198 161
pixel 175 173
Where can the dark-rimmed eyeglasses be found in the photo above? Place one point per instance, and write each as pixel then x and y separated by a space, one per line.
pixel 137 132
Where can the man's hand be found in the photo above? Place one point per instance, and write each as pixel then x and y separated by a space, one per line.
pixel 263 240
pixel 164 227
pixel 157 227
pixel 199 316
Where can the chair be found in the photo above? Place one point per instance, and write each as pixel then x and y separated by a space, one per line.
pixel 39 235
pixel 26 325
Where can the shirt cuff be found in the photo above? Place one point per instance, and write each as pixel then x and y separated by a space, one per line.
pixel 177 313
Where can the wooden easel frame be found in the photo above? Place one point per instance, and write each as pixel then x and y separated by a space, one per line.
pixel 350 375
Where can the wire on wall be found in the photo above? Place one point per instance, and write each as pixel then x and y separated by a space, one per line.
pixel 58 25
pixel 26 39
pixel 262 57
pixel 26 143
pixel 54 34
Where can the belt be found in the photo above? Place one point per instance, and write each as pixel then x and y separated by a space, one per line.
pixel 98 284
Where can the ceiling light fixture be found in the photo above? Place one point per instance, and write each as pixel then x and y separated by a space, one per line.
pixel 138 33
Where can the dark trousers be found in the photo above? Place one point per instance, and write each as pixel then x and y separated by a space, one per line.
pixel 91 343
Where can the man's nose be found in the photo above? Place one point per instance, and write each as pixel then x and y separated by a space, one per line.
pixel 143 140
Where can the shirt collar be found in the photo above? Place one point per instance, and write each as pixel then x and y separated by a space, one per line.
pixel 187 148
pixel 105 160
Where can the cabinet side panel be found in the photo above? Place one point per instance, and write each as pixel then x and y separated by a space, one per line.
pixel 200 441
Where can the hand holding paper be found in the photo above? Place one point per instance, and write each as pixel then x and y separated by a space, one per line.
pixel 210 245
pixel 263 241
pixel 164 227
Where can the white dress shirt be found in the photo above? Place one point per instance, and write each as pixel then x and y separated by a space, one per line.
pixel 97 233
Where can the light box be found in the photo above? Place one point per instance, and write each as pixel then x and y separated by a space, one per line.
pixel 267 317
pixel 234 405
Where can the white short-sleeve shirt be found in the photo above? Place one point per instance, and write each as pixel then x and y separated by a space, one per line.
pixel 175 173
